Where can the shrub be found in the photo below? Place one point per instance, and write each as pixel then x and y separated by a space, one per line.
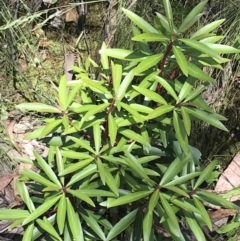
pixel 120 166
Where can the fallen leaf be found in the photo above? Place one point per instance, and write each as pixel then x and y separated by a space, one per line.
pixel 5 180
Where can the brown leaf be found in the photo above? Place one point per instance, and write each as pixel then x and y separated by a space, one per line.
pixel 71 15
pixel 5 180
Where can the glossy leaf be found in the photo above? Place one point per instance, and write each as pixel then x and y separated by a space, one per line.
pixel 164 22
pixel 73 221
pixel 153 201
pixel 181 133
pixel 82 143
pixel 75 155
pixel 202 115
pixel 201 47
pixel 101 171
pixel 61 213
pixel 104 59
pixel 160 111
pixel 132 111
pixel 205 174
pixel 90 220
pixel 97 109
pixel 97 193
pixel 128 198
pixel 176 190
pixel 150 37
pixel 47 226
pixel 72 94
pixel 192 17
pixel 196 72
pixel 96 86
pixel 207 28
pixel 195 227
pixel 122 225
pixel 148 63
pixel 50 127
pixel 167 87
pixel 12 214
pixel 97 137
pixel 175 167
pixel 228 227
pixel 186 120
pixel 203 212
pixel 75 167
pixel 181 60
pixel 168 12
pixel 112 128
pixel 116 75
pixel 62 92
pixel 28 232
pixel 152 95
pixel 222 49
pixel 111 182
pixel 41 209
pixel 140 22
pixel 147 225
pixel 39 107
pixel 124 85
pixel 195 93
pixel 47 169
pixel 81 196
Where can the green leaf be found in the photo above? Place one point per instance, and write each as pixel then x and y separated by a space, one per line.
pixel 124 85
pixel 61 213
pixel 111 181
pixel 150 94
pixel 75 167
pixel 140 22
pixel 92 223
pixel 81 142
pixel 13 214
pixel 150 37
pixel 41 209
pixel 181 133
pixel 24 194
pixel 39 107
pixel 128 198
pixel 207 28
pixel 74 222
pixel 73 93
pixel 97 193
pixel 205 174
pixel 148 63
pixel 153 201
pixel 132 111
pixel 38 178
pixel 62 93
pixel 134 136
pixel 176 190
pixel 90 169
pixel 123 54
pixel 201 47
pixel 207 117
pixel 101 171
pixel 122 225
pixel 164 23
pixel 175 167
pixel 170 214
pixel 75 155
pixel 104 60
pixel 166 86
pixel 60 164
pixel 147 225
pixel 203 213
pixel 183 204
pixel 222 49
pixel 116 75
pixel 160 111
pixel 228 227
pixel 196 72
pixel 186 120
pixel 192 17
pixel 47 226
pixel 50 127
pixel 95 110
pixel 81 196
pixel 28 233
pixel 168 12
pixel 195 93
pixel 97 137
pixel 195 227
pixel 112 128
pixel 181 60
pixel 96 86
pixel 47 169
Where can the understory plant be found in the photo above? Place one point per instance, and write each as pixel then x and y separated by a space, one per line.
pixel 120 165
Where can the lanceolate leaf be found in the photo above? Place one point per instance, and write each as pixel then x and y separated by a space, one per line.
pixel 62 93
pixel 150 94
pixel 122 225
pixel 207 28
pixel 160 111
pixel 205 174
pixel 148 63
pixel 39 107
pixel 150 37
pixel 168 12
pixel 41 209
pixel 141 23
pixel 50 127
pixel 116 75
pixel 81 196
pixel 192 17
pixel 175 167
pixel 104 59
pixel 132 111
pixel 95 110
pixel 111 182
pixel 222 49
pixel 82 143
pixel 147 225
pixel 112 129
pixel 61 213
pixel 181 60
pixel 97 137
pixel 13 214
pixel 207 117
pixel 128 198
pixel 28 233
pixel 201 47
pixel 186 120
pixel 124 85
